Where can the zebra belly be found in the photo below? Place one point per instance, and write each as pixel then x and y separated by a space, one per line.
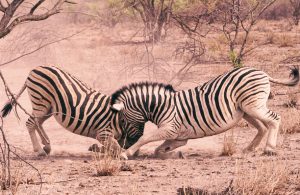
pixel 193 131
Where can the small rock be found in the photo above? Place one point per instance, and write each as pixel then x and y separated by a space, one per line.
pixel 126 167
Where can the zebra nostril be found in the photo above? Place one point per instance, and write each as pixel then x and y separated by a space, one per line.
pixel 167 148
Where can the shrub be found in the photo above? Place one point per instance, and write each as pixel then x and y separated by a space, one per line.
pixel 107 163
pixel 263 177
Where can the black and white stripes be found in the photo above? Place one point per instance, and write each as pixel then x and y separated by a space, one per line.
pixel 205 110
pixel 77 107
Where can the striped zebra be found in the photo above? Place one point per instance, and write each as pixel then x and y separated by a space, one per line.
pixel 206 110
pixel 74 105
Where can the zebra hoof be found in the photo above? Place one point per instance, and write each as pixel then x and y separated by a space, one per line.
pixel 123 156
pixel 47 149
pixel 248 150
pixel 270 153
pixel 136 154
pixel 42 153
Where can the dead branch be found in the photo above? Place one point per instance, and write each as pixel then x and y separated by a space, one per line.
pixel 191 52
pixel 194 21
pixel 7 151
pixel 9 20
pixel 41 47
pixel 154 14
pixel 296 11
pixel 239 17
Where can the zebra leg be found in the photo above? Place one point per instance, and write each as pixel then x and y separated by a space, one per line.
pixel 158 135
pixel 272 121
pixel 272 135
pixel 44 137
pixel 32 126
pixel 164 151
pixel 96 148
pixel 109 145
pixel 262 129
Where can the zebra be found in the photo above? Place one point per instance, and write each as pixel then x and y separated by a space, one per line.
pixel 205 110
pixel 75 106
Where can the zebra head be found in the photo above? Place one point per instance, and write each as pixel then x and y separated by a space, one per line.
pixel 138 103
pixel 132 129
pixel 131 132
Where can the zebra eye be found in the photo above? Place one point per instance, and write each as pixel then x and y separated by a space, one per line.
pixel 122 121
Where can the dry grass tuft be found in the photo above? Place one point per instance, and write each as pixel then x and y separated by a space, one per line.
pixel 192 191
pixel 229 145
pixel 270 38
pixel 15 179
pixel 264 177
pixel 285 40
pixel 261 177
pixel 290 122
pixel 291 101
pixel 107 163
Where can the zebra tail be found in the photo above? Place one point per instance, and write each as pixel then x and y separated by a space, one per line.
pixel 292 81
pixel 9 105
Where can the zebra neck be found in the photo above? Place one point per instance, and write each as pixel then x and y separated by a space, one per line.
pixel 161 109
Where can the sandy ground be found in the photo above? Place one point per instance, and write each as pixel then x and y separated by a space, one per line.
pixel 92 57
pixel 70 169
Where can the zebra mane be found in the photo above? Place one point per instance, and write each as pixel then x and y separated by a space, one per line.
pixel 131 86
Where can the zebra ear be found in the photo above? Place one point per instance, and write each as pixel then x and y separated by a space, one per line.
pixel 117 106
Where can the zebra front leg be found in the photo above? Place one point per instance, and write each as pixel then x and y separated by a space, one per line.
pixel 109 146
pixel 96 148
pixel 157 135
pixel 164 151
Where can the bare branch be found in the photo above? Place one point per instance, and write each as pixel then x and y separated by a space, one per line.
pixel 40 47
pixel 6 151
pixel 70 2
pixel 237 17
pixel 6 26
pixel 2 8
pixel 9 12
pixel 36 6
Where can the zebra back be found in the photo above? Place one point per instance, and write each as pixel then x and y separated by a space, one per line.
pixel 74 104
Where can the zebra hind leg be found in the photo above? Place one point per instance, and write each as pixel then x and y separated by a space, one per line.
pixel 262 130
pixel 44 137
pixel 271 120
pixel 33 125
pixel 165 150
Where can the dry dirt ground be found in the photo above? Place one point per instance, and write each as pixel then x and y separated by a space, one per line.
pixel 94 58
